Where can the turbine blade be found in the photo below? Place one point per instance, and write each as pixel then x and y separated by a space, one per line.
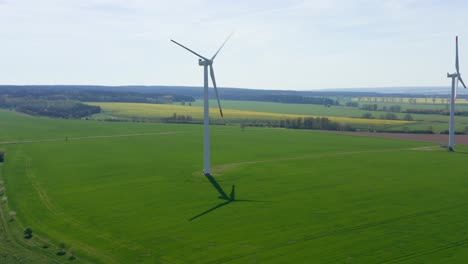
pixel 461 80
pixel 216 90
pixel 189 50
pixel 457 66
pixel 214 56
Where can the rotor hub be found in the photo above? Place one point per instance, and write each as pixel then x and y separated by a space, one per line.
pixel 453 75
pixel 202 62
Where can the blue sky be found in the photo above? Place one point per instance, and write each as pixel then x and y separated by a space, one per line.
pixel 278 44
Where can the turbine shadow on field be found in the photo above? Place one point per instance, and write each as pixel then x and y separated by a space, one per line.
pixel 217 187
pixel 229 199
pixel 210 210
pixel 223 204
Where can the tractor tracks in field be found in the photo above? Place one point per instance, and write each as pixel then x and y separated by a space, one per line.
pixel 49 205
pixel 14 244
pixel 426 252
pixel 43 197
pixel 357 228
pixel 35 184
pixel 87 137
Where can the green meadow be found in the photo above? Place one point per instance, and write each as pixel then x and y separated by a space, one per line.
pixel 119 192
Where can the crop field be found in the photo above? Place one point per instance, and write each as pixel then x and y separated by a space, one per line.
pixel 334 111
pixel 292 109
pixel 157 111
pixel 245 111
pixel 120 192
pixel 421 121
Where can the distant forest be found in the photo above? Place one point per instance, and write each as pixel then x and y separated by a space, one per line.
pixel 52 108
pixel 66 100
pixel 233 93
pixel 290 99
pixel 67 103
pixel 156 95
pixel 90 95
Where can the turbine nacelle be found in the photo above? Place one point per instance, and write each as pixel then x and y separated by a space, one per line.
pixel 208 63
pixel 202 62
pixel 453 75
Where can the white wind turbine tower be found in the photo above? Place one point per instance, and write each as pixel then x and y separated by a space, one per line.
pixel 456 77
pixel 205 62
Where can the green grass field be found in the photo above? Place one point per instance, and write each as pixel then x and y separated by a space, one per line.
pixel 126 193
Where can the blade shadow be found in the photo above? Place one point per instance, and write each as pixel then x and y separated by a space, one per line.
pixel 224 204
pixel 210 210
pixel 252 201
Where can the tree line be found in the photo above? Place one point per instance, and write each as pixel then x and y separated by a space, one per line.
pixel 316 123
pixel 436 112
pixel 52 94
pixel 56 108
pixel 313 123
pixel 375 107
pixel 410 100
pixel 280 98
pixel 398 109
pixel 388 116
pixel 175 118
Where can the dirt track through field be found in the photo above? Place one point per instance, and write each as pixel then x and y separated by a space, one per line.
pixel 88 137
pixel 436 138
pixel 224 167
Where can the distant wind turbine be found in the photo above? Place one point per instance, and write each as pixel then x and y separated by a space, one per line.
pixel 456 77
pixel 207 63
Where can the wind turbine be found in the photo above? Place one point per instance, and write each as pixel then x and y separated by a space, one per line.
pixel 207 63
pixel 456 77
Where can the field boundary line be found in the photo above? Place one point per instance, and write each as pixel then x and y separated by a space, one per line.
pixel 224 167
pixel 88 137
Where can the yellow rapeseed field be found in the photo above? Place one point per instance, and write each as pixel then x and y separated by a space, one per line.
pixel 155 111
